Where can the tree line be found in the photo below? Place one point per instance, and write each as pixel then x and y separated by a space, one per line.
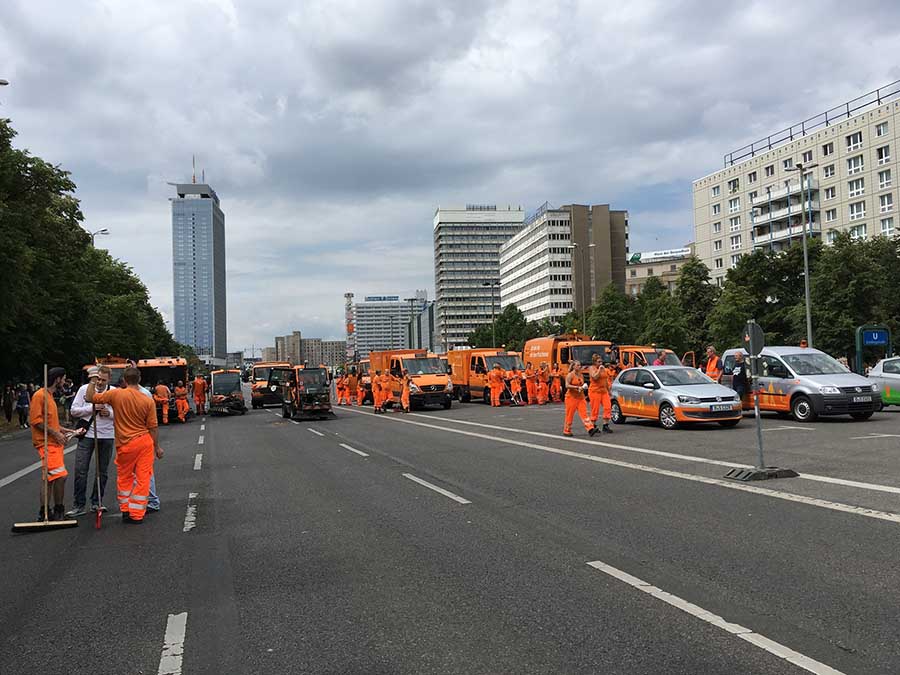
pixel 852 282
pixel 62 301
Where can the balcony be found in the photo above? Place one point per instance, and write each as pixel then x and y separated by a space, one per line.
pixel 782 214
pixel 783 192
pixel 785 234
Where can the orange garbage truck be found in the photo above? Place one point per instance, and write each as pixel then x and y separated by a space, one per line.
pixel 116 365
pixel 166 369
pixel 469 370
pixel 564 348
pixel 261 393
pixel 430 383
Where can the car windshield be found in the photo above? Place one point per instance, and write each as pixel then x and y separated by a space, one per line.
pixel 585 353
pixel 680 377
pixel 507 362
pixel 669 359
pixel 425 366
pixel 313 378
pixel 813 364
pixel 261 374
pixel 226 383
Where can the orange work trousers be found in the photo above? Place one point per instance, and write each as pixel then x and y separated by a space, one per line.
pixel 404 399
pixel 200 403
pixel 600 397
pixel 542 391
pixel 56 467
pixel 134 468
pixel 164 404
pixel 576 404
pixel 531 390
pixel 555 391
pixel 496 392
pixel 377 398
pixel 360 395
pixel 182 406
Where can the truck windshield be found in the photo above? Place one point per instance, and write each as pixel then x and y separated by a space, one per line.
pixel 585 353
pixel 226 383
pixel 314 378
pixel 261 374
pixel 669 359
pixel 680 377
pixel 363 369
pixel 507 362
pixel 813 364
pixel 425 366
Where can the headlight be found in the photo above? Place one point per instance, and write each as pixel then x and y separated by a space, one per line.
pixel 874 387
pixel 688 399
pixel 413 387
pixel 829 390
pixel 449 385
pixel 737 397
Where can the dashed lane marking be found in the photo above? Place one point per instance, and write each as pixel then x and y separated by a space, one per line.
pixel 439 490
pixel 202 427
pixel 761 641
pixel 198 461
pixel 28 469
pixel 190 516
pixel 788 429
pixel 294 422
pixel 173 646
pixel 870 437
pixel 200 440
pixel 358 452
pixel 317 433
pixel 730 485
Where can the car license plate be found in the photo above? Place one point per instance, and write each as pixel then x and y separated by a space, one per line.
pixel 862 399
pixel 721 408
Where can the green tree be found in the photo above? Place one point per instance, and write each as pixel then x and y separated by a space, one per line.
pixel 695 296
pixel 661 319
pixel 510 327
pixel 614 317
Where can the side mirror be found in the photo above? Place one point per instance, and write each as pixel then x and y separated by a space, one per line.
pixel 649 385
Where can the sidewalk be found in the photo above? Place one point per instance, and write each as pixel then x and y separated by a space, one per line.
pixel 11 431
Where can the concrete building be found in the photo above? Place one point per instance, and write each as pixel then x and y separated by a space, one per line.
pixel 662 264
pixel 234 360
pixel 269 354
pixel 334 352
pixel 756 200
pixel 562 258
pixel 311 351
pixel 381 322
pixel 467 244
pixel 423 333
pixel 198 268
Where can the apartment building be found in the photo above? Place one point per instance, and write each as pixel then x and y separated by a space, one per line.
pixel 849 160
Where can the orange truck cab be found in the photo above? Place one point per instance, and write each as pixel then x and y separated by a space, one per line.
pixel 116 365
pixel 632 356
pixel 430 383
pixel 168 370
pixel 470 368
pixel 261 393
pixel 564 348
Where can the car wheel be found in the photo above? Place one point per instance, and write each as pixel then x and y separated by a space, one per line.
pixel 486 395
pixel 667 417
pixel 616 413
pixel 447 403
pixel 465 395
pixel 729 423
pixel 861 416
pixel 802 409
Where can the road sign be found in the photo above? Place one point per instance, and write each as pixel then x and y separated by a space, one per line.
pixel 875 338
pixel 754 338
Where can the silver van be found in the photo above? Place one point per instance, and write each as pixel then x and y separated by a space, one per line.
pixel 806 383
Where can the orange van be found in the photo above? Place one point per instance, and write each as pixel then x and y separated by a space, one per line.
pixel 564 348
pixel 470 367
pixel 430 383
pixel 631 356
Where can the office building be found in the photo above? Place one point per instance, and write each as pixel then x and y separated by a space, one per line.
pixel 562 259
pixel 381 322
pixel 198 262
pixel 467 244
pixel 288 347
pixel 756 201
pixel 422 329
pixel 661 264
pixel 234 360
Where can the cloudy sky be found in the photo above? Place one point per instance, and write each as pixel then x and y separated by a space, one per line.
pixel 331 130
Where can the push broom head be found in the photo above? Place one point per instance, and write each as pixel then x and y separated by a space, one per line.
pixel 43 526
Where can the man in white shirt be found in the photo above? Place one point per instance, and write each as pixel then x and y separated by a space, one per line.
pixel 82 410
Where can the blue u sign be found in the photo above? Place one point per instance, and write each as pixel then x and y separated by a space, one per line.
pixel 875 338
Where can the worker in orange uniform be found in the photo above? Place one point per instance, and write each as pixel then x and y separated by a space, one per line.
pixel 405 383
pixel 713 364
pixel 575 388
pixel 495 382
pixel 376 391
pixel 162 395
pixel 598 391
pixel 56 439
pixel 555 386
pixel 543 384
pixel 352 384
pixel 137 442
pixel 387 389
pixel 181 401
pixel 515 385
pixel 340 386
pixel 199 387
pixel 530 384
pixel 360 391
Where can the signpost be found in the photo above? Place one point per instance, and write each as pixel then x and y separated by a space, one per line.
pixel 872 336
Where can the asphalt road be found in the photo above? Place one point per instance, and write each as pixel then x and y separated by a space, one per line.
pixel 471 540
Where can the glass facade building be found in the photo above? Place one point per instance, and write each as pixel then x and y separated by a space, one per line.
pixel 198 261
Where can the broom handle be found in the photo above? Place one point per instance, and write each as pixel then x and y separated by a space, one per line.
pixel 46 451
pixel 96 454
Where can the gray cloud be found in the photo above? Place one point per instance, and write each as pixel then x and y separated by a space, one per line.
pixel 332 130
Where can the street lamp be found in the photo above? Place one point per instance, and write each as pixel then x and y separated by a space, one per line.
pixel 807 231
pixel 585 281
pixel 493 285
pixel 100 232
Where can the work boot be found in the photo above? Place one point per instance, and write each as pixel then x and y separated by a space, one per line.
pixel 59 512
pixel 592 431
pixel 77 511
pixel 126 516
pixel 606 429
pixel 567 433
pixel 132 521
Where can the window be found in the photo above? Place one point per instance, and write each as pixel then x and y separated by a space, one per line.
pixel 649 271
pixel 887 226
pixel 884 154
pixel 830 192
pixel 884 179
pixel 788 163
pixel 717 227
pixel 854 165
pixel 807 157
pixel 881 129
pixel 716 209
pixel 828 149
pixel 830 215
pixel 719 264
pixel 673 268
pixel 736 242
pixel 720 281
pixel 856 187
pixel 734 260
pixel 753 195
pixel 716 190
pixel 770 170
pixel 828 171
pixel 717 245
pixel 733 185
pixel 734 205
pixel 858 232
pixel 887 202
pixel 633 273
pixel 751 177
pixel 831 236
pixel 734 223
pixel 857 210
pixel 854 141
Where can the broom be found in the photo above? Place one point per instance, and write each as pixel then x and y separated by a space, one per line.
pixel 46 524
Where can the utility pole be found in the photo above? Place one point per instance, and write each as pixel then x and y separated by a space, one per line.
pixel 807 231
pixel 493 285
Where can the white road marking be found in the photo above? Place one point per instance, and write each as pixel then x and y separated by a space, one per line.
pixel 871 436
pixel 720 482
pixel 202 427
pixel 200 441
pixel 788 429
pixel 173 646
pixel 358 452
pixel 317 433
pixel 203 420
pixel 198 461
pixel 437 489
pixel 28 469
pixel 294 422
pixel 761 641
pixel 190 516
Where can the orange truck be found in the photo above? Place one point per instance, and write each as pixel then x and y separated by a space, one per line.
pixel 261 393
pixel 469 369
pixel 116 365
pixel 430 383
pixel 564 348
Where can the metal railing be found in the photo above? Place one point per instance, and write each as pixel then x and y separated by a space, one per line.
pixel 827 118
